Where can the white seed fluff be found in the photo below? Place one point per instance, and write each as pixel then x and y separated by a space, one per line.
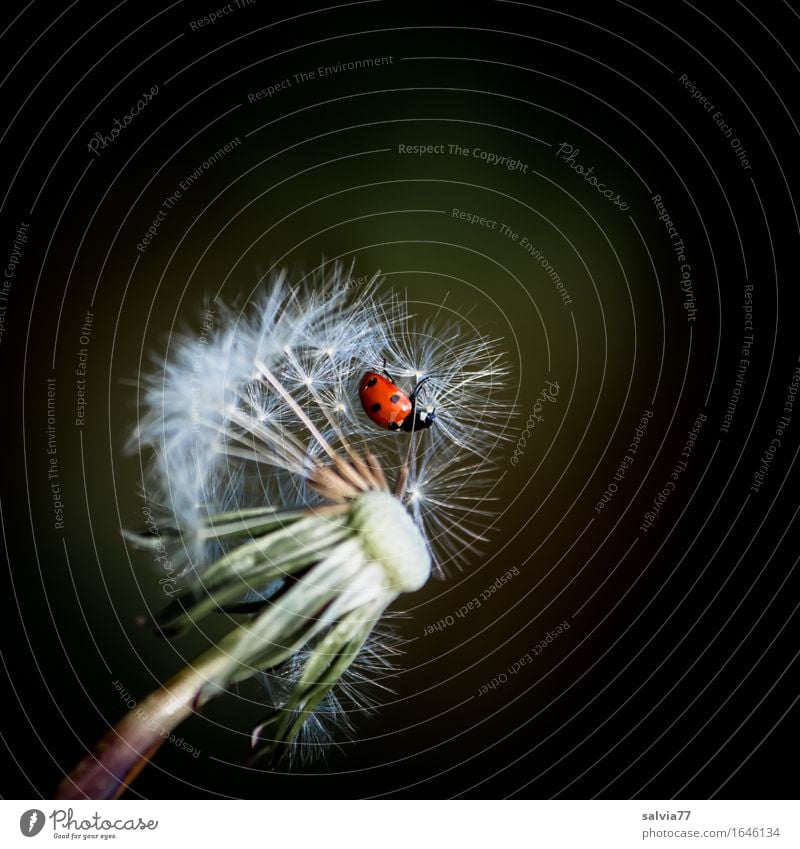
pixel 257 425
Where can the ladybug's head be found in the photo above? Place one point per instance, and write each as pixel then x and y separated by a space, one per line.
pixel 419 420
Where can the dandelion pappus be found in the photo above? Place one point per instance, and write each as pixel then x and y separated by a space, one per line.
pixel 389 406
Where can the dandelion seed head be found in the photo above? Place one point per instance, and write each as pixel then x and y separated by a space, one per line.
pixel 260 425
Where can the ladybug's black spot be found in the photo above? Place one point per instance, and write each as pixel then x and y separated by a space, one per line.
pixel 372 381
pixel 395 398
pixel 394 426
pixel 375 408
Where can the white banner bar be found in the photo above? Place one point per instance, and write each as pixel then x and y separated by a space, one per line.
pixel 390 824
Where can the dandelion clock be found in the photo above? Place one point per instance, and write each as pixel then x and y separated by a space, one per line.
pixel 311 458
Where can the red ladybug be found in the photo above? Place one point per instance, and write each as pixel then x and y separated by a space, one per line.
pixel 388 406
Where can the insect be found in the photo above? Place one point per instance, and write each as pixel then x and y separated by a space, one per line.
pixel 388 406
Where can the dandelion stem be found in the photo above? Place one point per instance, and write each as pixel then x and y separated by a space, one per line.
pixel 127 748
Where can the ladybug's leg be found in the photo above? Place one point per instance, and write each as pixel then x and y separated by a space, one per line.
pixel 412 397
pixel 387 373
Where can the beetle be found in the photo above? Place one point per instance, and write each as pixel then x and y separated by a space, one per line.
pixel 389 406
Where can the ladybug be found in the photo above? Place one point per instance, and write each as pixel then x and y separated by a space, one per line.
pixel 388 406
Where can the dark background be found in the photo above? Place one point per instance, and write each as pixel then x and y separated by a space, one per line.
pixel 678 674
